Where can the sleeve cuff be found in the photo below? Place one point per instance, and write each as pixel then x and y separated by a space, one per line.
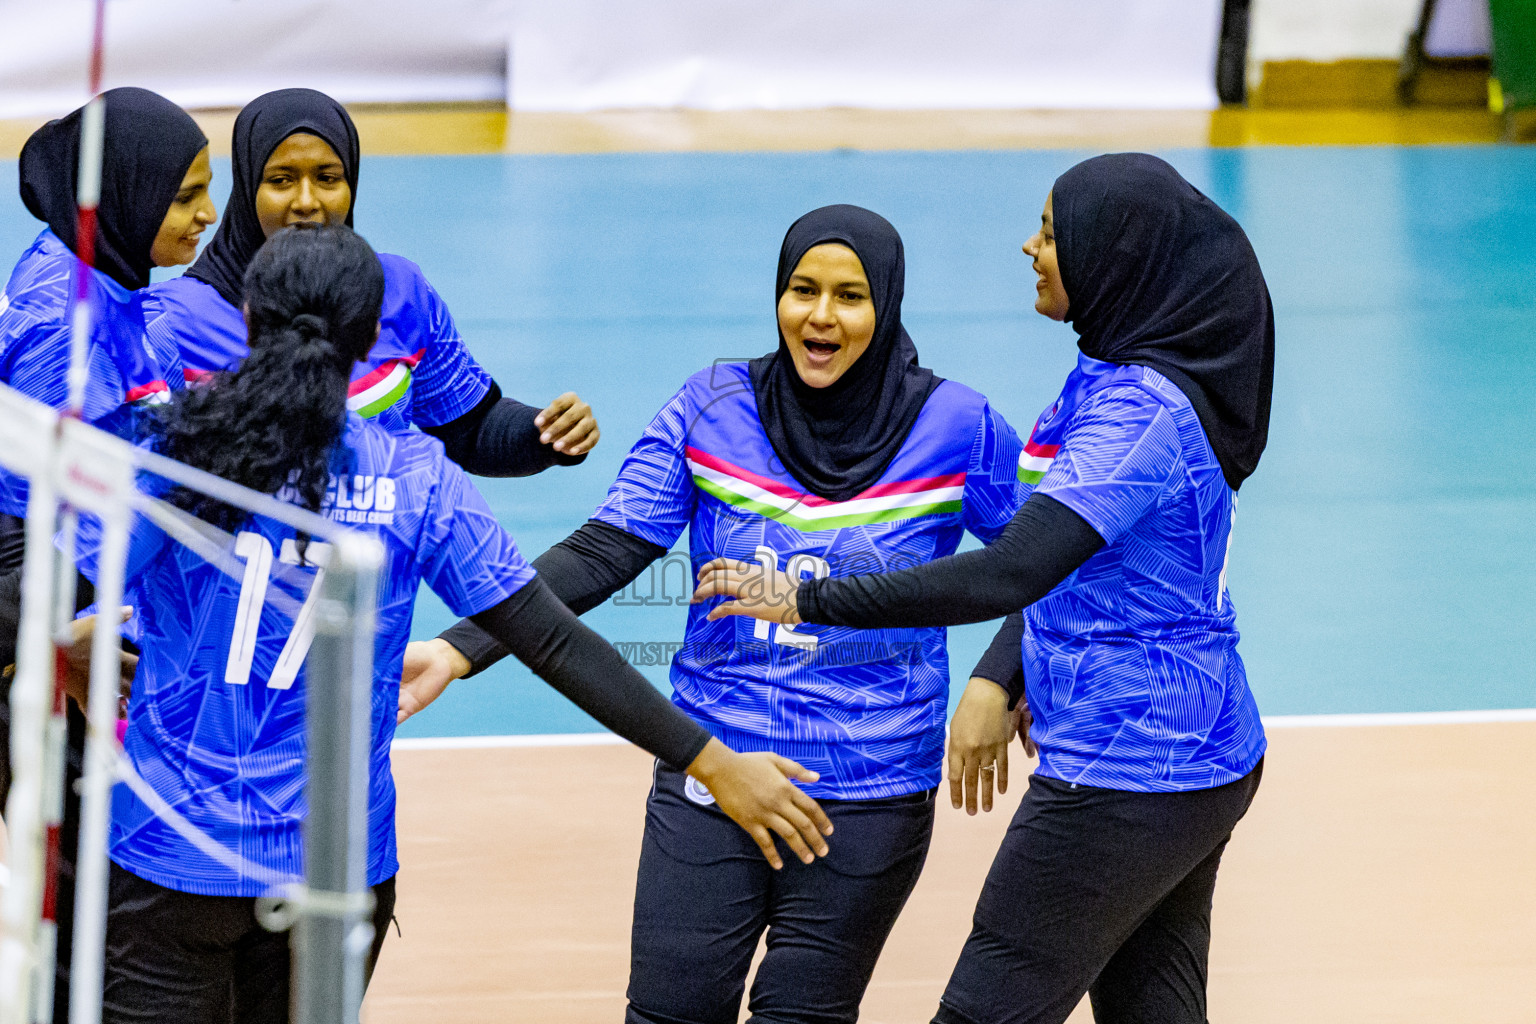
pixel 479 647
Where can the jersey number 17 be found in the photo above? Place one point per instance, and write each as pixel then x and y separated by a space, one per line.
pixel 256 550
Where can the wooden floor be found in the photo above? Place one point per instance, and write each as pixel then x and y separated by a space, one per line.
pixel 480 128
pixel 1383 875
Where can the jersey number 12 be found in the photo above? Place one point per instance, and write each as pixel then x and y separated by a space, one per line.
pixel 256 550
pixel 798 567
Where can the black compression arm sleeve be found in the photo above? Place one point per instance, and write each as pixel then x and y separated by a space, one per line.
pixel 1038 549
pixel 546 636
pixel 1003 663
pixel 583 571
pixel 498 438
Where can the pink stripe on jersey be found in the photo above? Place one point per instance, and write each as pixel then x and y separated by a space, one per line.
pixel 145 390
pixel 1040 451
pixel 812 500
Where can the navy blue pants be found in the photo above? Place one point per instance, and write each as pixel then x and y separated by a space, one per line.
pixel 705 895
pixel 1099 891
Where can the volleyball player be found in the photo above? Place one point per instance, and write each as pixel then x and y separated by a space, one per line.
pixel 835 453
pixel 295 160
pixel 221 736
pixel 154 204
pixel 1151 748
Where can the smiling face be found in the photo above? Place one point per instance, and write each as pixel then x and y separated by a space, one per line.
pixel 1051 295
pixel 303 180
pixel 189 214
pixel 826 314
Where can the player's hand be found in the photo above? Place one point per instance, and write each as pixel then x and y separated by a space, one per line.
pixel 755 791
pixel 77 660
pixel 753 589
pixel 428 668
pixel 978 744
pixel 568 425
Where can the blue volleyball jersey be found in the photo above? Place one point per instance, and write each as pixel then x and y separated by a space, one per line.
pixel 1131 663
pixel 864 707
pixel 216 722
pixel 419 371
pixel 127 372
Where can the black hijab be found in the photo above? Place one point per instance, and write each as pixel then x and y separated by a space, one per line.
pixel 1158 275
pixel 261 127
pixel 149 142
pixel 837 440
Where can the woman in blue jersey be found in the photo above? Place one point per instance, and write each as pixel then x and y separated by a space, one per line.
pixel 1150 742
pixel 295 159
pixel 217 728
pixel 154 204
pixel 837 453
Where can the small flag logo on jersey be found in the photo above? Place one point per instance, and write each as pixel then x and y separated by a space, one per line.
pixel 382 386
pixel 156 392
pixel 1035 460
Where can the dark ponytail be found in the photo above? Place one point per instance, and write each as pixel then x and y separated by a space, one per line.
pixel 312 298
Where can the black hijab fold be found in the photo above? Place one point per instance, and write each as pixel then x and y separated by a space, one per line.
pixel 262 126
pixel 149 142
pixel 837 440
pixel 1158 275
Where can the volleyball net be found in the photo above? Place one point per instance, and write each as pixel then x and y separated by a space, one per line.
pixel 296 580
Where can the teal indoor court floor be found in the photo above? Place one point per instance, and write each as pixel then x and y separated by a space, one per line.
pixel 1383 558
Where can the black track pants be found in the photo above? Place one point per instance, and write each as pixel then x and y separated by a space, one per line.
pixel 1099 891
pixel 192 959
pixel 705 895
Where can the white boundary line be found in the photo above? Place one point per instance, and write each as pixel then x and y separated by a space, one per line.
pixel 1400 718
pixel 592 739
pixel 553 739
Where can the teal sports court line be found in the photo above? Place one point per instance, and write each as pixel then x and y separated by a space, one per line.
pixel 1383 559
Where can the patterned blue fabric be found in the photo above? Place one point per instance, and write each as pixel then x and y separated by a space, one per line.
pixel 419 371
pixel 1131 664
pixel 865 708
pixel 229 755
pixel 126 372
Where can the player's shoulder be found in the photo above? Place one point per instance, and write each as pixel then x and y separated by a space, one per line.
pixel 953 398
pixel 380 450
pixel 40 280
pixel 717 381
pixel 182 298
pixel 399 269
pixel 1138 388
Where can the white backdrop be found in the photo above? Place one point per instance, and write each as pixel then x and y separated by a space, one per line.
pixel 212 53
pixel 594 54
pixel 718 54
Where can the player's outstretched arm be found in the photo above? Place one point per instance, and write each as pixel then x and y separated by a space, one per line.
pixel 502 437
pixel 753 789
pixel 584 570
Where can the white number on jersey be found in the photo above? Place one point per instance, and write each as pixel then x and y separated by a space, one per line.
pixel 257 552
pixel 798 567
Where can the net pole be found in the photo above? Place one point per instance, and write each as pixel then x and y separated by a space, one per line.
pixel 29 700
pixel 55 750
pixel 88 198
pixel 334 930
pixel 87 959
